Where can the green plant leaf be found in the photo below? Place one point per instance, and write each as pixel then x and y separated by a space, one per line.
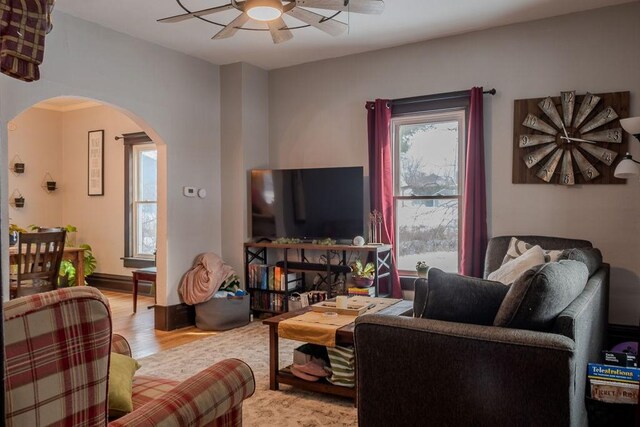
pixel 67 273
pixel 71 228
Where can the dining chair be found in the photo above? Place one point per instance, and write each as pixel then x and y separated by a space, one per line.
pixel 37 263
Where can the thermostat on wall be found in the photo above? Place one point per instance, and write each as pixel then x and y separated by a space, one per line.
pixel 189 191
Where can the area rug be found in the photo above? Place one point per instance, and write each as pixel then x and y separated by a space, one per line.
pixel 283 408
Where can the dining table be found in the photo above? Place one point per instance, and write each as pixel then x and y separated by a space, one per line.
pixel 73 254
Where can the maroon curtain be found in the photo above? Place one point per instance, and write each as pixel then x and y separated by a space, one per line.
pixel 381 177
pixel 474 214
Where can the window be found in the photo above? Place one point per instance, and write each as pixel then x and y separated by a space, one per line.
pixel 145 201
pixel 141 200
pixel 428 180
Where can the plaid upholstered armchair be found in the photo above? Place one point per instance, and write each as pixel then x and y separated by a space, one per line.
pixel 57 349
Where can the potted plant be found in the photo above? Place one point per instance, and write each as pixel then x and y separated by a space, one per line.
pixel 362 274
pixel 51 186
pixel 18 167
pixel 423 269
pixel 19 202
pixel 67 273
pixel 14 230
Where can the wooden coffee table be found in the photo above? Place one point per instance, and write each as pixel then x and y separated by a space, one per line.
pixel 344 336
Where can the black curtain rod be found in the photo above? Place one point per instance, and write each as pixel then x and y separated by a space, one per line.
pixel 438 97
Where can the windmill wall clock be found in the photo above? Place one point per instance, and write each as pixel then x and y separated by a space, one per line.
pixel 569 139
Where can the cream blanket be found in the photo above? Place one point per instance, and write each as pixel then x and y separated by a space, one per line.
pixel 204 279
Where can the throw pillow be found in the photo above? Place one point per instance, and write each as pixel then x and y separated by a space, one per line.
pixel 591 257
pixel 121 371
pixel 509 272
pixel 541 294
pixel 518 247
pixel 455 298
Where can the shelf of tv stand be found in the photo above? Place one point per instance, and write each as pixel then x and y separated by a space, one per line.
pixel 257 252
pixel 272 291
pixel 310 266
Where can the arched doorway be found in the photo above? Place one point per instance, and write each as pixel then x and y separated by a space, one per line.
pixel 51 138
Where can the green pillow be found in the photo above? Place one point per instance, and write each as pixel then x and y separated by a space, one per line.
pixel 121 371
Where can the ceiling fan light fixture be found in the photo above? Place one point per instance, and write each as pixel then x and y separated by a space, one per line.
pixel 264 10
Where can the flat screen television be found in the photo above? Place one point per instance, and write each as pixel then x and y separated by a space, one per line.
pixel 307 203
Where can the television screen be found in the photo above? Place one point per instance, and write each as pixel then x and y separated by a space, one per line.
pixel 307 203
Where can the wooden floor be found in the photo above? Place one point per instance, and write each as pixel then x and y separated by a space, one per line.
pixel 138 328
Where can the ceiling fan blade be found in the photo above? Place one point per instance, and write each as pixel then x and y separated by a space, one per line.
pixel 278 35
pixel 357 6
pixel 203 12
pixel 333 27
pixel 232 28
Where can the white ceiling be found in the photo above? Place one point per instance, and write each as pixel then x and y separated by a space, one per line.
pixel 402 22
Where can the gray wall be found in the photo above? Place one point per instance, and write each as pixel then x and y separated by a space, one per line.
pixel 173 97
pixel 317 118
pixel 245 146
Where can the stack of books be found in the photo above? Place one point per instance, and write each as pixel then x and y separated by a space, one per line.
pixel 364 292
pixel 614 383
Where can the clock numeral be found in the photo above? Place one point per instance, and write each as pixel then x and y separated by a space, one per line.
pixel 549 108
pixel 568 104
pixel 588 171
pixel 546 173
pixel 602 118
pixel 605 156
pixel 535 123
pixel 588 104
pixel 608 135
pixel 531 140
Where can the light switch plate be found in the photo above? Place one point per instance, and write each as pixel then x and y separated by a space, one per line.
pixel 189 191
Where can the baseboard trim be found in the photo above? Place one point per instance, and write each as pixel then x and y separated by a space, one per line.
pixel 118 283
pixel 174 317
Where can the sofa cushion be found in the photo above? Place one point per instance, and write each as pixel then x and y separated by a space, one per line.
pixel 518 247
pixel 540 294
pixel 456 298
pixel 509 272
pixel 591 257
pixel 121 371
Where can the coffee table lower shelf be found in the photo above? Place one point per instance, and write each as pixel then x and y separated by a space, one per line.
pixel 322 386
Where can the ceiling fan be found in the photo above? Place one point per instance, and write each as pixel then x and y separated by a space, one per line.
pixel 271 11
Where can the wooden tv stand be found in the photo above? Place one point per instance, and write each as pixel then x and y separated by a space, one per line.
pixel 257 252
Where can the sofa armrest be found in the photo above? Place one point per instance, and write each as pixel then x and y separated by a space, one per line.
pixel 198 400
pixel 119 344
pixel 460 374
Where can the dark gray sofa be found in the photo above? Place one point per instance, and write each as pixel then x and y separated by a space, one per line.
pixel 415 371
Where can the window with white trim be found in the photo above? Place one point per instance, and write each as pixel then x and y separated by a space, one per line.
pixel 428 151
pixel 144 201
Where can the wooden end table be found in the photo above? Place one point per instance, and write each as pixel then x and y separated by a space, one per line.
pixel 344 337
pixel 148 275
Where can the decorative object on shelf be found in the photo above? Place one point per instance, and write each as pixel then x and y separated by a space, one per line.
pixel 17 199
pixel 48 183
pixel 95 183
pixel 18 165
pixel 362 274
pixel 628 167
pixel 570 139
pixel 375 227
pixel 423 269
pixel 286 241
pixel 270 13
pixel 358 241
pixel 325 242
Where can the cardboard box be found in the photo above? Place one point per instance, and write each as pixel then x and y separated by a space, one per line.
pixel 619 359
pixel 614 391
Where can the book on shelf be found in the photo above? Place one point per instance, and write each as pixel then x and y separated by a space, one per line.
pixel 366 292
pixel 271 278
pixel 627 374
pixel 614 391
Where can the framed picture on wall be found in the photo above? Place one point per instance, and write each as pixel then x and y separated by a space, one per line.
pixel 96 163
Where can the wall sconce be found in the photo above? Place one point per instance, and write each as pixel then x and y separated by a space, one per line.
pixel 17 199
pixel 48 183
pixel 628 168
pixel 18 165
